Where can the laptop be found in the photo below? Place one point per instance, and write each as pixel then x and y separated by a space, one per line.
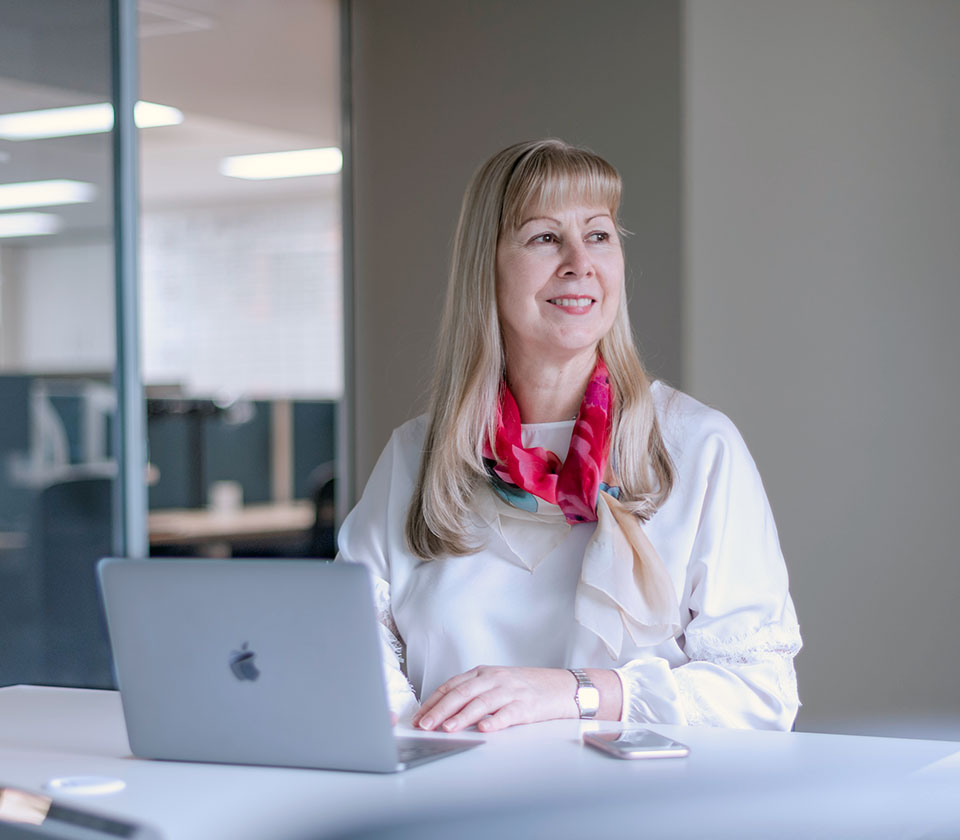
pixel 273 662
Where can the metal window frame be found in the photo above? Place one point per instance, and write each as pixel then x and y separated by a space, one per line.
pixel 130 431
pixel 346 425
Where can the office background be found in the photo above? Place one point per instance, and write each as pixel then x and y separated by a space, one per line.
pixel 793 188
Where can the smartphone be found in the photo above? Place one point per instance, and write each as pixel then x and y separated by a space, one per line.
pixel 636 743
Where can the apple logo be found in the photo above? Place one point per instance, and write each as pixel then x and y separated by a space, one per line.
pixel 242 665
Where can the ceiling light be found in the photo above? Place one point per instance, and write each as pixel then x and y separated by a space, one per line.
pixel 28 224
pixel 45 194
pixel 81 119
pixel 296 164
pixel 151 115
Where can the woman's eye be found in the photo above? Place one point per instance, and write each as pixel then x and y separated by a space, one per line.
pixel 548 238
pixel 599 236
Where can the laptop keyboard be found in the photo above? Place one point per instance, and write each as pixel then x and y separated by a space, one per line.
pixel 413 749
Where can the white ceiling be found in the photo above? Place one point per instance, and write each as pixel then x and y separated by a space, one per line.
pixel 249 76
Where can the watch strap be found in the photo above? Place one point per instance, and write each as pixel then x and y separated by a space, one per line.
pixel 587 697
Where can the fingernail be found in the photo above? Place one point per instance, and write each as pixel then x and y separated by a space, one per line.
pixel 449 725
pixel 426 723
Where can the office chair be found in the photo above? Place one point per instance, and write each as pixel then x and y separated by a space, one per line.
pixel 323 493
pixel 72 528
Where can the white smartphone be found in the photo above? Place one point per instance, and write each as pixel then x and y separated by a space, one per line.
pixel 636 743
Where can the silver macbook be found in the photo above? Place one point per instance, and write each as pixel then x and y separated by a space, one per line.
pixel 272 662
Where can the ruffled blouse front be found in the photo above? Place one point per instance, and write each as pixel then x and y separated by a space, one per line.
pixel 545 593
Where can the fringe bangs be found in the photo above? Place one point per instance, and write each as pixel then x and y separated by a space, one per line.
pixel 554 175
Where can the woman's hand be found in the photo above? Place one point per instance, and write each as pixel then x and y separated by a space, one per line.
pixel 497 697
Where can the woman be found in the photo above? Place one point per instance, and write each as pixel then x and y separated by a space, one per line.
pixel 555 510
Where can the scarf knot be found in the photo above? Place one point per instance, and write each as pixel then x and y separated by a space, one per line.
pixel 573 484
pixel 625 591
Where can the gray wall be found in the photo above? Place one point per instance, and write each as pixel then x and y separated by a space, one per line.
pixel 822 292
pixel 813 209
pixel 440 85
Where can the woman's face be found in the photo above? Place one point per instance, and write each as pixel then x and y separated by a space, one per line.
pixel 559 280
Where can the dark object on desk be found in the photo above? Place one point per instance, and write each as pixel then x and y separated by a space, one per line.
pixel 323 492
pixel 177 431
pixel 71 529
pixel 33 816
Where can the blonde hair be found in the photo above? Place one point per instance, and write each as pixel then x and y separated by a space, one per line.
pixel 543 174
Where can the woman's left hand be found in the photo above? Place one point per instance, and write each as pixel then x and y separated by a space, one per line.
pixel 497 697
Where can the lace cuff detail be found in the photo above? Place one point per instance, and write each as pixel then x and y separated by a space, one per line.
pixel 745 648
pixel 381 601
pixel 770 648
pixel 402 697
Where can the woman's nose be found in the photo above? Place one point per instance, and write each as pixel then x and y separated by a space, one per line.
pixel 575 261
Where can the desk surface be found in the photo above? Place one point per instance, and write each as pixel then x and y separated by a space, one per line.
pixel 200 526
pixel 12 540
pixel 734 783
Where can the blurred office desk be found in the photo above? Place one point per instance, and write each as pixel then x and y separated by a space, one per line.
pixel 215 530
pixel 534 781
pixel 12 540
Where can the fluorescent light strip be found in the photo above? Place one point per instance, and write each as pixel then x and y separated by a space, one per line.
pixel 45 194
pixel 81 119
pixel 298 164
pixel 29 224
pixel 151 115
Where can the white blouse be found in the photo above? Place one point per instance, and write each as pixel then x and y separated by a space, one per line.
pixel 516 600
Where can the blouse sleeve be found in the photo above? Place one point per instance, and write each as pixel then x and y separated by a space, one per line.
pixel 742 634
pixel 365 538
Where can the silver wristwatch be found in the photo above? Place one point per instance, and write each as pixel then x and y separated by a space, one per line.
pixel 587 696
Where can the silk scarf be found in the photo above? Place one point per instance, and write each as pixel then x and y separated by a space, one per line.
pixel 573 484
pixel 624 585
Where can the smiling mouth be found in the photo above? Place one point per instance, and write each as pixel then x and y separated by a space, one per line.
pixel 571 302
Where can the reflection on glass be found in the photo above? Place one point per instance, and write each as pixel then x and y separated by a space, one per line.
pixel 57 349
pixel 95 118
pixel 241 278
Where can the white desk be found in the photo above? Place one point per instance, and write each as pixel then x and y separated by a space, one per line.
pixel 734 784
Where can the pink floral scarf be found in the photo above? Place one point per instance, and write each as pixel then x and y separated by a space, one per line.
pixel 519 474
pixel 625 590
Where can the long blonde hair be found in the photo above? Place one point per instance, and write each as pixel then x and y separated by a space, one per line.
pixel 470 356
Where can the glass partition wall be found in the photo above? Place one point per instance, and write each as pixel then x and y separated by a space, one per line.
pixel 241 275
pixel 57 346
pixel 239 301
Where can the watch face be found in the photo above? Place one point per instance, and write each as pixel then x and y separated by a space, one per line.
pixel 589 699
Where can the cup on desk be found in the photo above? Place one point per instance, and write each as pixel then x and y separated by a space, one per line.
pixel 225 496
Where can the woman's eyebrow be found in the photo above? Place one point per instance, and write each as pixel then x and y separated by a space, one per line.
pixel 539 219
pixel 558 222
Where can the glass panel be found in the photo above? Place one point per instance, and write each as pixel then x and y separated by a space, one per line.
pixel 57 349
pixel 241 275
